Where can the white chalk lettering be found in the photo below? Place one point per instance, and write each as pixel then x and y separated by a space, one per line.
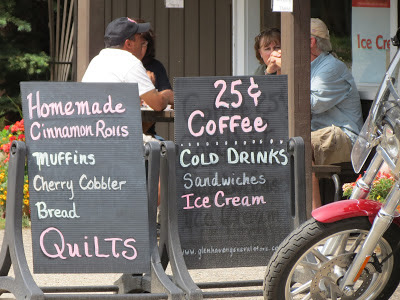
pixel 100 184
pixel 44 212
pixel 63 158
pixel 40 184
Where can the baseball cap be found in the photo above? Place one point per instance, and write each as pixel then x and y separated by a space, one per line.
pixel 318 28
pixel 123 28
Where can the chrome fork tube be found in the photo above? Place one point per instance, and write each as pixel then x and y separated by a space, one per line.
pixel 380 225
pixel 363 185
pixel 360 191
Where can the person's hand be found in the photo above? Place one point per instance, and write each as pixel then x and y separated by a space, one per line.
pixel 274 63
pixel 151 76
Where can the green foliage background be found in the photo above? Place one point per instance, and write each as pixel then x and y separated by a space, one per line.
pixel 24 48
pixel 341 45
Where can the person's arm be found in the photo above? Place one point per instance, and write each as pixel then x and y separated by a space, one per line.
pixel 169 94
pixel 158 101
pixel 151 76
pixel 328 90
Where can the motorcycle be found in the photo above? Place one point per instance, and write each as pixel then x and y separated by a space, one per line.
pixel 350 249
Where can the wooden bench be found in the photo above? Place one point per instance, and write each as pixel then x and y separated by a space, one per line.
pixel 331 178
pixel 328 172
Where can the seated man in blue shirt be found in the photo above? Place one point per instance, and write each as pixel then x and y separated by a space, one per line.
pixel 336 116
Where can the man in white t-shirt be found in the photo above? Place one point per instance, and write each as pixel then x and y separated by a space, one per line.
pixel 119 62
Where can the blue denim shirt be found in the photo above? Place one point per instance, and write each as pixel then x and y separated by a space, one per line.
pixel 334 96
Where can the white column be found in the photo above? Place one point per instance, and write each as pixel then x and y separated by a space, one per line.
pixel 393 24
pixel 246 25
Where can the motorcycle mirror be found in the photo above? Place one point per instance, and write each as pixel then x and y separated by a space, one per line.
pixel 396 38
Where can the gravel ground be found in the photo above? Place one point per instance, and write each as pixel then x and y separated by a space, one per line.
pixel 253 273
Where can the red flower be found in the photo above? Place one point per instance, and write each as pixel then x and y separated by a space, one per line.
pixel 7 127
pixel 6 147
pixel 18 126
pixel 21 137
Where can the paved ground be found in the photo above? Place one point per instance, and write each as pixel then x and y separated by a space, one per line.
pixel 108 279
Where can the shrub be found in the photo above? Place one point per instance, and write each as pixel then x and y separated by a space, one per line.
pixel 381 187
pixel 7 136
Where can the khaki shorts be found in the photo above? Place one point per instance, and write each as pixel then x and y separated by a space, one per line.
pixel 330 145
pixel 148 138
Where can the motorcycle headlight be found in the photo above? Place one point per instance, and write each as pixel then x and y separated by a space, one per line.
pixel 390 142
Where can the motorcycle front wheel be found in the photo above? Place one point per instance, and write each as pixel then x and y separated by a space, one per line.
pixel 311 261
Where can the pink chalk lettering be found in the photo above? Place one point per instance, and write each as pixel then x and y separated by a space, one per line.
pixel 190 120
pixel 198 202
pixel 126 244
pixel 217 204
pixel 232 123
pixel 103 131
pixel 32 131
pixel 96 109
pixel 211 127
pixel 30 107
pixel 218 102
pixel 86 246
pixel 225 123
pixel 113 241
pixel 73 250
pixel 259 125
pixel 246 127
pixel 236 92
pixel 187 196
pixel 222 124
pixel 255 95
pixel 96 248
pixel 85 109
pixel 52 109
pixel 108 107
pixel 203 202
pixel 57 248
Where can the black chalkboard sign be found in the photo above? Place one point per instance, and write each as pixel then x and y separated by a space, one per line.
pixel 86 172
pixel 232 169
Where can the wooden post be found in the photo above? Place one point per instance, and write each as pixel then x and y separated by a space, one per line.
pixel 296 64
pixel 82 45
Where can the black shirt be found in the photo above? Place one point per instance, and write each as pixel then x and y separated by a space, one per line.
pixel 162 81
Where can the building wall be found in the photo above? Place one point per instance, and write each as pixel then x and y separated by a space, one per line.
pixel 193 41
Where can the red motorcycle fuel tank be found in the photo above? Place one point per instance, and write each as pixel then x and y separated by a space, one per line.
pixel 346 209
